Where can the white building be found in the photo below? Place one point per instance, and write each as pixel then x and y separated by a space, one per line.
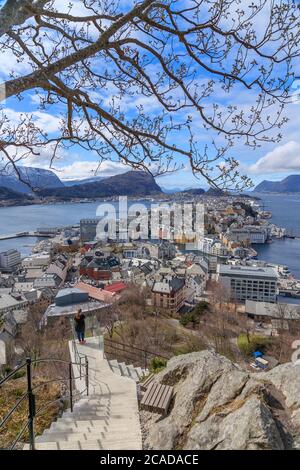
pixel 50 280
pixel 249 282
pixel 9 259
pixel 37 260
pixel 212 246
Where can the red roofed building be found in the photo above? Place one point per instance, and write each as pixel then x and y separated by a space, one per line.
pixel 95 292
pixel 116 287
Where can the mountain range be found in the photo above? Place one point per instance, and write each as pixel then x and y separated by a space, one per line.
pixel 27 179
pixel 45 184
pixel 132 183
pixel 290 184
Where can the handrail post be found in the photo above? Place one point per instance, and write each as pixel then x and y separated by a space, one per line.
pixel 31 405
pixel 87 375
pixel 145 360
pixel 71 386
pixel 80 364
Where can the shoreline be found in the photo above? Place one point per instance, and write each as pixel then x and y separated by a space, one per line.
pixel 160 197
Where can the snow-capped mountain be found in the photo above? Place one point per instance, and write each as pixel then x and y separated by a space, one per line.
pixel 29 178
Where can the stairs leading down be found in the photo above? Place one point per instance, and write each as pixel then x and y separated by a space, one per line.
pixel 130 371
pixel 107 419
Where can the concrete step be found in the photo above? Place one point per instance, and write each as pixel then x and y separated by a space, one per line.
pixel 68 445
pixel 120 368
pixel 140 372
pixel 80 436
pixel 66 436
pixel 86 424
pixel 88 430
pixel 88 408
pixel 123 369
pixel 86 416
pixel 115 366
pixel 95 444
pixel 132 373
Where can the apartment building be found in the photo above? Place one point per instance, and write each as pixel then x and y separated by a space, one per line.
pixel 9 259
pixel 250 233
pixel 249 282
pixel 169 294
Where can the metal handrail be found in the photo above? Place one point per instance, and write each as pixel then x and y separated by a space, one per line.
pixel 30 395
pixel 11 374
pixel 46 405
pixel 19 436
pixel 6 418
pixel 151 353
pixel 127 351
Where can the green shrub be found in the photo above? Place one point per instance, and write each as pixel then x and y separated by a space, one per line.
pixel 19 374
pixel 201 307
pixel 189 318
pixel 248 344
pixel 157 364
pixel 184 320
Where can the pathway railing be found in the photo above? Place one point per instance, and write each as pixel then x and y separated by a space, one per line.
pixel 137 356
pixel 32 392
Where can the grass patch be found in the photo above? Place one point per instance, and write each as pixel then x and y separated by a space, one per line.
pixel 10 393
pixel 249 343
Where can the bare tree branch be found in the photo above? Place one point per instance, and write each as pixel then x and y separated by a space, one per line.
pixel 185 63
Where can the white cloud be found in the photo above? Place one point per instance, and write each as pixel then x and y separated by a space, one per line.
pixel 284 158
pixel 85 169
pixel 46 122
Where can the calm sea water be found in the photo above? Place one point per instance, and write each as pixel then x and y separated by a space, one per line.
pixel 29 218
pixel 286 213
pixel 285 209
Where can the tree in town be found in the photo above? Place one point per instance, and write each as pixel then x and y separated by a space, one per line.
pixel 127 78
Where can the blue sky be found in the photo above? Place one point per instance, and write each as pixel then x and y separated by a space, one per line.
pixel 270 161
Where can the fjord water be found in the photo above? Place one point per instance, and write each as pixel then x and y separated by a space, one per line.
pixel 285 209
pixel 29 218
pixel 286 213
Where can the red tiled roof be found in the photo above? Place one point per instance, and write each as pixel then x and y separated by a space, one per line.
pixel 115 287
pixel 95 292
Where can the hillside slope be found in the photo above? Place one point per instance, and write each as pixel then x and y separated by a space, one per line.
pixel 37 178
pixel 7 194
pixel 290 184
pixel 132 183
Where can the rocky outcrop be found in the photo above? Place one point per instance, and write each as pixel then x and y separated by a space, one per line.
pixel 219 405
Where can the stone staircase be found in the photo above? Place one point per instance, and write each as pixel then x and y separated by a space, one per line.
pixel 124 370
pixel 108 418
